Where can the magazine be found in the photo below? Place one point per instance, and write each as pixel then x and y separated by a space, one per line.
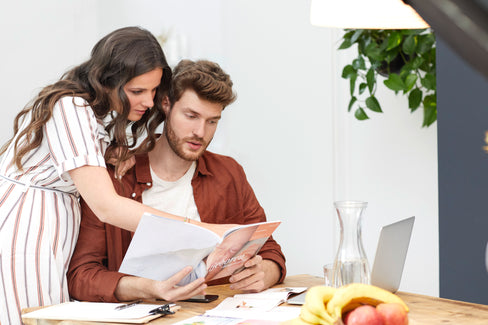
pixel 162 246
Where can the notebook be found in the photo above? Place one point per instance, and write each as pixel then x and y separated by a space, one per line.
pixel 389 260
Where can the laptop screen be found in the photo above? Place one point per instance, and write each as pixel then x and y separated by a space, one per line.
pixel 391 254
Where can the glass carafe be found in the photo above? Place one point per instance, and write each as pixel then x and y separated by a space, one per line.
pixel 350 264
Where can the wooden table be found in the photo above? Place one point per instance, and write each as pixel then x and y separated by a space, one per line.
pixel 423 309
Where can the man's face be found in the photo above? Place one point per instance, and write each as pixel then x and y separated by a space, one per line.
pixel 190 125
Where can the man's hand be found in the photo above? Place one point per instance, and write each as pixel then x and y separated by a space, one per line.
pixel 257 276
pixel 227 249
pixel 131 288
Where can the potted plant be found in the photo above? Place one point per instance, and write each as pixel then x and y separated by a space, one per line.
pixel 405 58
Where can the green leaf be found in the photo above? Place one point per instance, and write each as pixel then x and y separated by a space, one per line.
pixel 426 42
pixel 414 99
pixel 359 63
pixel 428 81
pixel 382 39
pixel 406 69
pixel 345 44
pixel 417 62
pixel 410 81
pixel 391 55
pixel 360 114
pixel 362 87
pixel 370 80
pixel 410 44
pixel 373 104
pixel 413 31
pixel 430 101
pixel 430 110
pixel 373 52
pixel 404 74
pixel 394 82
pixel 352 83
pixel 348 71
pixel 348 34
pixel 356 35
pixel 351 103
pixel 394 40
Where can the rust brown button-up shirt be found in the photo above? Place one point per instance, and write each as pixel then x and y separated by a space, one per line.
pixel 222 195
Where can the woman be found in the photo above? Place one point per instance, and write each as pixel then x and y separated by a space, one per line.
pixel 57 154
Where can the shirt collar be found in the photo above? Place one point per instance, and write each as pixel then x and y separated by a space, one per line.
pixel 143 171
pixel 202 166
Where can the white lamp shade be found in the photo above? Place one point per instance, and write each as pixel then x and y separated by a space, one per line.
pixel 365 14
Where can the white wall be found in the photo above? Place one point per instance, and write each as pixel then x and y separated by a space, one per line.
pixel 280 127
pixel 391 162
pixel 40 40
pixel 289 127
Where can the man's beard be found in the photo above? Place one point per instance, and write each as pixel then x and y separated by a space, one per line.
pixel 176 144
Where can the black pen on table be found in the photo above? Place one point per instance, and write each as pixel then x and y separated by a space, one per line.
pixel 130 304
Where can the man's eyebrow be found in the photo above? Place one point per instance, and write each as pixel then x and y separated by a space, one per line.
pixel 190 110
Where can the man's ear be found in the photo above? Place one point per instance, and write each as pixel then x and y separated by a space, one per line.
pixel 166 105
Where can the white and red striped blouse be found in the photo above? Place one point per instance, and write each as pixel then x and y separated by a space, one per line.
pixel 39 208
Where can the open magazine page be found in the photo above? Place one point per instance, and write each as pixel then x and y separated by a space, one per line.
pixel 238 246
pixel 162 246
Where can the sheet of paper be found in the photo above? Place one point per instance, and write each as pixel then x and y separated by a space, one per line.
pixel 273 293
pixel 210 320
pixel 276 315
pixel 242 307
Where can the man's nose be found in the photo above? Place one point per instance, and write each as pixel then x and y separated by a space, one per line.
pixel 199 129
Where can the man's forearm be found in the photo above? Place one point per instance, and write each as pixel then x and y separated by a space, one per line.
pixel 131 288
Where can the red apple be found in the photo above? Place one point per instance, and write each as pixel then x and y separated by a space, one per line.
pixel 393 313
pixel 364 315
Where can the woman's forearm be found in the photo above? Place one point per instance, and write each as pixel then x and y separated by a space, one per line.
pixel 96 188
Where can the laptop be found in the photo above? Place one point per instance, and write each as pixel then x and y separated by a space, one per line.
pixel 389 260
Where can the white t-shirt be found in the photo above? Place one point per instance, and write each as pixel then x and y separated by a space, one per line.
pixel 173 197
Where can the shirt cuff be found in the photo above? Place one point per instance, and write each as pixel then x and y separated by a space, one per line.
pixel 87 160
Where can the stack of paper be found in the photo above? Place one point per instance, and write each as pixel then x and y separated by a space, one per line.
pixel 95 311
pixel 255 306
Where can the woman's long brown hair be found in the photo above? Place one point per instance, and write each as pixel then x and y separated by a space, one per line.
pixel 115 60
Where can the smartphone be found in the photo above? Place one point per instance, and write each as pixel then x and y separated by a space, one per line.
pixel 202 298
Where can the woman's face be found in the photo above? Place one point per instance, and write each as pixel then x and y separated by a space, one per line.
pixel 140 91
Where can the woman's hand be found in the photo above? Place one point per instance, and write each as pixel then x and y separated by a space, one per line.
pixel 123 167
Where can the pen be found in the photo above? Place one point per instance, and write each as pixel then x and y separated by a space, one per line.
pixel 130 304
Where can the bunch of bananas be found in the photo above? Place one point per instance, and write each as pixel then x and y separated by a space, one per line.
pixel 326 305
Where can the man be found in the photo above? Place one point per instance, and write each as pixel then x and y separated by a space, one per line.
pixel 181 177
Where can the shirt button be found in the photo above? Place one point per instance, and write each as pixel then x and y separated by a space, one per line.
pixel 133 194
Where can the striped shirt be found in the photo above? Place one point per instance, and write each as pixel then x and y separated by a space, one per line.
pixel 39 208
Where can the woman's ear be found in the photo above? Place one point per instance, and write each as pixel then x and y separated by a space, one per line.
pixel 166 105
